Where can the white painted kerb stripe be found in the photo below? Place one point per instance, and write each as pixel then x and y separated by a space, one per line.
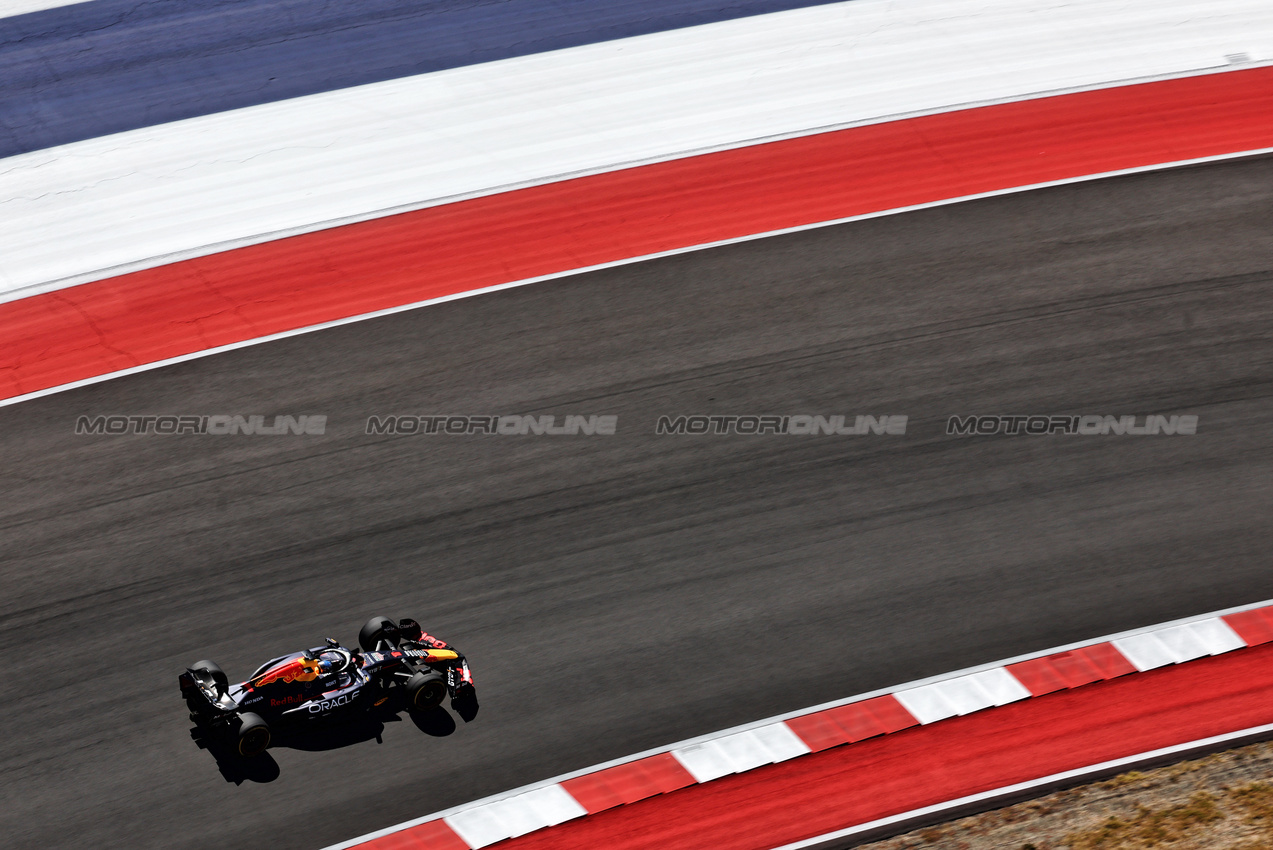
pixel 1218 635
pixel 532 810
pixel 738 752
pixel 927 704
pixel 743 751
pixel 704 761
pixel 961 695
pixel 780 742
pixel 1001 685
pixel 555 805
pixel 1179 643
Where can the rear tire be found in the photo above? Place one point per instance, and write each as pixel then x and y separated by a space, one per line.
pixel 253 736
pixel 426 691
pixel 376 630
pixel 213 672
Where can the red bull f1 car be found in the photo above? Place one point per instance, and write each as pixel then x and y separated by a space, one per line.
pixel 330 680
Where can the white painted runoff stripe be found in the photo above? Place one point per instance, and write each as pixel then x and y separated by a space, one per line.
pixel 12 8
pixel 772 740
pixel 90 209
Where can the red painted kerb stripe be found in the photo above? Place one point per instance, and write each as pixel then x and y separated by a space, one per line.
pixel 192 306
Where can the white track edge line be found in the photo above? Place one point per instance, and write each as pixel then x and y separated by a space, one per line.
pixel 30 290
pixel 354 842
pixel 132 370
pixel 1117 765
pixel 16 8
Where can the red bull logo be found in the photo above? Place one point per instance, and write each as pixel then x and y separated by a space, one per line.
pixel 296 670
pixel 287 700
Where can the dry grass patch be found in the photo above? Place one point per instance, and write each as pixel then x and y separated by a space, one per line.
pixel 1150 828
pixel 1220 802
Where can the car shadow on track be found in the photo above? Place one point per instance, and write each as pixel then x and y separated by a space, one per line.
pixel 318 735
pixel 234 768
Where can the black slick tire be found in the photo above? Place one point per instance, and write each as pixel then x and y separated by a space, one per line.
pixel 253 737
pixel 376 630
pixel 426 691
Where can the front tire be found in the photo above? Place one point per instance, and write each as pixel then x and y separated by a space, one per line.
pixel 254 735
pixel 425 691
pixel 376 630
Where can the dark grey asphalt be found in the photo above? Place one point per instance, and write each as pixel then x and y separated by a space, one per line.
pixel 623 592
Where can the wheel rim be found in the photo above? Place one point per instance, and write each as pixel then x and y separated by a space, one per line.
pixel 430 695
pixel 254 741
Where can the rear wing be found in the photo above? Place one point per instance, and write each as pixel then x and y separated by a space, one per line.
pixel 204 696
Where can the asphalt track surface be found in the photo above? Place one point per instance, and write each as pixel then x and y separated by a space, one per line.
pixel 615 593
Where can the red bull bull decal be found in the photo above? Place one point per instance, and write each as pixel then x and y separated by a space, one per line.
pixel 296 670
